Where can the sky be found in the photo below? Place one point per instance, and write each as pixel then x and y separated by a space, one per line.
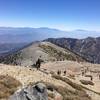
pixel 59 14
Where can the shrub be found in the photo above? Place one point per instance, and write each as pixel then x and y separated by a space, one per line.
pixel 66 93
pixel 86 82
pixel 8 86
pixel 66 80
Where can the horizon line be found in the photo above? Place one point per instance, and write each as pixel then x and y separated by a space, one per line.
pixel 77 29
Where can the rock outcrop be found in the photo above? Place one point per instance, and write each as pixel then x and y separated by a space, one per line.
pixel 36 92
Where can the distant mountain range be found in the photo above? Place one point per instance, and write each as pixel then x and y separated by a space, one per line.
pixel 89 48
pixel 22 35
pixel 13 39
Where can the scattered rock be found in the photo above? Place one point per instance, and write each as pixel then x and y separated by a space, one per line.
pixel 36 92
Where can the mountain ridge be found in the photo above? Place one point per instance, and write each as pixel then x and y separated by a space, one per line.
pixel 28 55
pixel 87 48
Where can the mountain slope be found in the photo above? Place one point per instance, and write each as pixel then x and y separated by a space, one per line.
pixel 48 52
pixel 27 76
pixel 60 86
pixel 88 48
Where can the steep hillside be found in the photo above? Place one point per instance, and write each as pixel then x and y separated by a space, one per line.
pixel 87 48
pixel 64 87
pixel 57 88
pixel 47 51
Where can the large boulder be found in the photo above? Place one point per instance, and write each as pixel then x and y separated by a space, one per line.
pixel 36 92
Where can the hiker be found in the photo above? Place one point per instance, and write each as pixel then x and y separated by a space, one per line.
pixel 91 78
pixel 83 73
pixel 38 63
pixel 99 76
pixel 87 69
pixel 59 72
pixel 64 72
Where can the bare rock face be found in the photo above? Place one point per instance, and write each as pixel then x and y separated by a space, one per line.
pixel 36 92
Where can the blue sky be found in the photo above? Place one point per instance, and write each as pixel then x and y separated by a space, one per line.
pixel 60 14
